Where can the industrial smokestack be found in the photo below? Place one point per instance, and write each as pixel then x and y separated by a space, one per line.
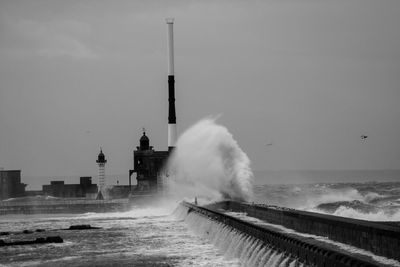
pixel 171 86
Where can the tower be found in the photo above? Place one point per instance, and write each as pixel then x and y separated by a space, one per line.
pixel 171 87
pixel 101 161
pixel 148 166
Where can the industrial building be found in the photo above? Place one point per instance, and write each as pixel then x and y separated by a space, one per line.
pixel 10 184
pixel 148 165
pixel 84 189
pixel 118 191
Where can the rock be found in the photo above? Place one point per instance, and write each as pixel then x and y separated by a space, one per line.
pixel 39 240
pixel 39 230
pixel 54 239
pixel 27 232
pixel 82 227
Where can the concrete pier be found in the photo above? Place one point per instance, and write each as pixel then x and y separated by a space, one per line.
pixel 307 251
pixel 377 237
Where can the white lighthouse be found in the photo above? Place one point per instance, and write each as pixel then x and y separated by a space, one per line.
pixel 101 161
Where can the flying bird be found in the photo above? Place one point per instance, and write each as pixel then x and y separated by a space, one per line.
pixel 364 136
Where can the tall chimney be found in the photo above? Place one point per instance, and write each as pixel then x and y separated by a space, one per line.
pixel 171 86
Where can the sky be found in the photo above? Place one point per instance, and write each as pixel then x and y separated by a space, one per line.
pixel 307 76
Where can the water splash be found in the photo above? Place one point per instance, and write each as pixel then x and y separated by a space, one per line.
pixel 209 163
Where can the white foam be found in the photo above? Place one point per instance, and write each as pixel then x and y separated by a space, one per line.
pixel 370 216
pixel 134 213
pixel 209 163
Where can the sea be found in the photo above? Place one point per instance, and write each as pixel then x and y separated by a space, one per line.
pixel 161 236
pixel 373 201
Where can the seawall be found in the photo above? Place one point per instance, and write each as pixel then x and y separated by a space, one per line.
pixel 64 206
pixel 307 251
pixel 379 238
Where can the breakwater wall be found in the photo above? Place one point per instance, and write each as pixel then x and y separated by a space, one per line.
pixel 64 206
pixel 379 238
pixel 308 252
pixel 78 205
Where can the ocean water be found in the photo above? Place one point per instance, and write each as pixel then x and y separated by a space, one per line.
pixel 141 237
pixel 374 201
pixel 165 236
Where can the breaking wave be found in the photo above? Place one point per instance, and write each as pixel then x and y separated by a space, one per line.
pixel 208 163
pixel 377 215
pixel 366 201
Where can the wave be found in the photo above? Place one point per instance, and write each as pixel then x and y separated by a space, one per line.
pixel 332 207
pixel 376 215
pixel 207 162
pixel 367 201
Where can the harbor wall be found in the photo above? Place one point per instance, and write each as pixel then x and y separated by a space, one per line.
pixel 64 206
pixel 379 238
pixel 306 251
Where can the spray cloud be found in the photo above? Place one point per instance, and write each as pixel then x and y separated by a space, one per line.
pixel 208 163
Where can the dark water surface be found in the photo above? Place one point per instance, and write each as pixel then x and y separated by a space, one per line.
pixel 141 237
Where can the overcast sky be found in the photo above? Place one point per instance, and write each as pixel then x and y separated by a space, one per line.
pixel 308 76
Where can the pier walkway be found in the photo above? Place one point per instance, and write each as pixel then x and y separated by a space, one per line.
pixel 309 251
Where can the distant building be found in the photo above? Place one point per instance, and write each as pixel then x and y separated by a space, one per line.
pixel 118 191
pixel 148 165
pixel 58 189
pixel 10 184
pixel 101 161
pixel 32 193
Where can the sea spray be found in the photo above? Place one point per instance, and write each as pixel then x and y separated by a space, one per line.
pixel 207 162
